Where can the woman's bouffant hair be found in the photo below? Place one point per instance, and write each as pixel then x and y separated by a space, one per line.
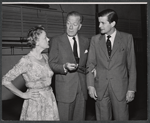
pixel 33 35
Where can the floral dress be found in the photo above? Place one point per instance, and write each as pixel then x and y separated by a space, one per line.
pixel 38 77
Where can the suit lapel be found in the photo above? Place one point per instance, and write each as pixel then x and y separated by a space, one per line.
pixel 103 45
pixel 67 47
pixel 81 47
pixel 117 42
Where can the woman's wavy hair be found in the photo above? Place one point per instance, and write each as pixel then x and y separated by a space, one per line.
pixel 33 35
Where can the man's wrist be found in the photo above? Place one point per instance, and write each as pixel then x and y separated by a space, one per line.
pixel 65 68
pixel 131 91
pixel 89 87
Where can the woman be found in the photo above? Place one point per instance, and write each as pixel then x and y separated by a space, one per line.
pixel 39 103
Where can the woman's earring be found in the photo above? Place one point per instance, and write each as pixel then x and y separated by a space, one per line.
pixel 37 44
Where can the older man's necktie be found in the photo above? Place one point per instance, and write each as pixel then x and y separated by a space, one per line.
pixel 108 44
pixel 75 50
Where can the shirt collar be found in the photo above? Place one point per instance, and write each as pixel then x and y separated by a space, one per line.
pixel 112 35
pixel 76 36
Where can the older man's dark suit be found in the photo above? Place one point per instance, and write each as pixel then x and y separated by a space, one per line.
pixel 68 85
pixel 118 71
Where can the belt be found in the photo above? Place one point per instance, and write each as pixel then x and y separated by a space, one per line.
pixel 81 69
pixel 41 89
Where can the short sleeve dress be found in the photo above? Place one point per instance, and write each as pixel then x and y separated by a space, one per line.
pixel 38 77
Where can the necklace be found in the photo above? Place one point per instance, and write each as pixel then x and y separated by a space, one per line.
pixel 35 56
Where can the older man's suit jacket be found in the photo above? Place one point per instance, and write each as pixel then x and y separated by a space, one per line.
pixel 66 85
pixel 119 70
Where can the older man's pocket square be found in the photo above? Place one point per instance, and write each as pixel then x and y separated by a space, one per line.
pixel 121 50
pixel 86 51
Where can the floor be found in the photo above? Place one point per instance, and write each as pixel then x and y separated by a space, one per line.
pixel 11 110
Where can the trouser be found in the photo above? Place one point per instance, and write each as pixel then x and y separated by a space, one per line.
pixel 75 110
pixel 109 104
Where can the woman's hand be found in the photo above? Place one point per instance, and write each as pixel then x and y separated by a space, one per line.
pixel 31 94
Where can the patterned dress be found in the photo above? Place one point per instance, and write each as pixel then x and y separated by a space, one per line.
pixel 38 77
